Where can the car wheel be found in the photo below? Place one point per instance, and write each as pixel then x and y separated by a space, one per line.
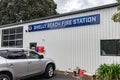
pixel 4 77
pixel 49 72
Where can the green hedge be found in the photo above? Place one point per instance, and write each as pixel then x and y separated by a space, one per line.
pixel 108 72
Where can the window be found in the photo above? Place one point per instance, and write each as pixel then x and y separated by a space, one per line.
pixel 19 30
pixel 33 55
pixel 5 37
pixel 3 53
pixel 12 37
pixel 110 47
pixel 6 31
pixel 12 43
pixel 5 43
pixel 16 55
pixel 19 43
pixel 12 30
pixel 19 36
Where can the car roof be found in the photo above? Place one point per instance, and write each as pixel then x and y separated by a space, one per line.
pixel 14 49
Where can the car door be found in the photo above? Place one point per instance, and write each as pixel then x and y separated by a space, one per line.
pixel 17 63
pixel 35 64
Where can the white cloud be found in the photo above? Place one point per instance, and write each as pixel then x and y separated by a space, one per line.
pixel 73 5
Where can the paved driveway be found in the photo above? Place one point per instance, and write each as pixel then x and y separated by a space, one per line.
pixel 56 77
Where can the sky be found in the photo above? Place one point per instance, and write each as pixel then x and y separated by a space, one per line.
pixel 65 6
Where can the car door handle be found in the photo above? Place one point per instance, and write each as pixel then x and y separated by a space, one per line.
pixel 11 65
pixel 29 62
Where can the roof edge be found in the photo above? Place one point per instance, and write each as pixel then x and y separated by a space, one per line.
pixel 64 14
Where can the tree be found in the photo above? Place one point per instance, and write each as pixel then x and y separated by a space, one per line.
pixel 116 16
pixel 12 11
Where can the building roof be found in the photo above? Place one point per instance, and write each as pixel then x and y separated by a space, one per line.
pixel 65 14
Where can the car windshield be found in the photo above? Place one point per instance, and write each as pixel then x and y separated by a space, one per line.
pixel 3 53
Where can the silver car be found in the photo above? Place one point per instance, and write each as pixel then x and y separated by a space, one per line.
pixel 22 63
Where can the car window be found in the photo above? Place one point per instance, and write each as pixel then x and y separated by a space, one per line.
pixel 33 55
pixel 16 55
pixel 3 53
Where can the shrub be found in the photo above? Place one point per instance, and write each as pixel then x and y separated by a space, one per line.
pixel 108 72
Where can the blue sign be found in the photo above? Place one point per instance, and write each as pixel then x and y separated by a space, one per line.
pixel 72 22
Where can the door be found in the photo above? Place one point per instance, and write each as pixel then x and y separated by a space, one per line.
pixel 19 67
pixel 18 64
pixel 35 65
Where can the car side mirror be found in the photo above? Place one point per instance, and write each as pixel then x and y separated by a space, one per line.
pixel 41 56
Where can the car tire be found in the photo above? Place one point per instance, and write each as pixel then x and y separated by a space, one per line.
pixel 4 77
pixel 49 71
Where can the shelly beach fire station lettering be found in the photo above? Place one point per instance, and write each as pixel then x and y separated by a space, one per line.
pixel 79 21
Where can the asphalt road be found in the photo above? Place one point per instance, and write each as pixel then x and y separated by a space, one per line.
pixel 56 77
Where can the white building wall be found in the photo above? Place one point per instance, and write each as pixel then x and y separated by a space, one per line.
pixel 76 46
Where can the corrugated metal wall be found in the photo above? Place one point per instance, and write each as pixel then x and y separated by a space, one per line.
pixel 78 46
